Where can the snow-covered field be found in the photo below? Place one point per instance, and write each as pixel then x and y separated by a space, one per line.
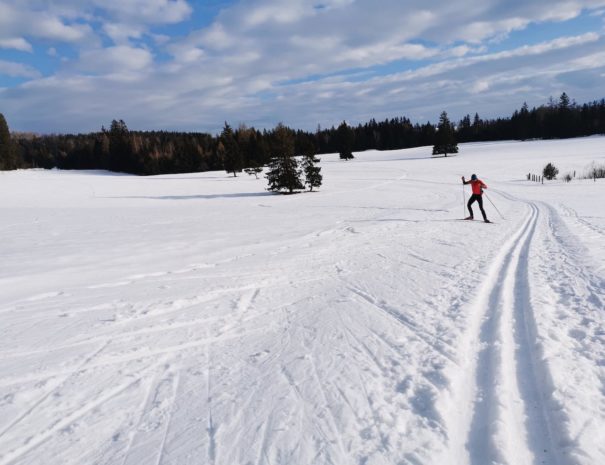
pixel 198 319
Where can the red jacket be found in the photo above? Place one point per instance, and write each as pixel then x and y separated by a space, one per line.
pixel 477 186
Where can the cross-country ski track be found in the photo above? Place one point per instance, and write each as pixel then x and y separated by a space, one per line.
pixel 184 319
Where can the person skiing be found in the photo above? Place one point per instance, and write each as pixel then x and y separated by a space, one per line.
pixel 477 187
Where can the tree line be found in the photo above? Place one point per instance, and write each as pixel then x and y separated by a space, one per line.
pixel 161 152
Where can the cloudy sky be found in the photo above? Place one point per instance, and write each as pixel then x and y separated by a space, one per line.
pixel 74 65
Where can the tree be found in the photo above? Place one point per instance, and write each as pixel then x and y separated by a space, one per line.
pixel 346 140
pixel 550 172
pixel 8 159
pixel 313 178
pixel 232 156
pixel 283 172
pixel 445 139
pixel 565 124
pixel 121 153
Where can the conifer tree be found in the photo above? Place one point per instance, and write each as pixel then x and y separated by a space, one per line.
pixel 346 140
pixel 283 173
pixel 7 159
pixel 121 154
pixel 445 139
pixel 313 177
pixel 550 171
pixel 232 159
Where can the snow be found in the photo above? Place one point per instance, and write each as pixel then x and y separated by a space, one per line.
pixel 197 318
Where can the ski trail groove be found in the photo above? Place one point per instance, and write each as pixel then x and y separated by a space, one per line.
pixel 141 414
pixel 500 401
pixel 39 438
pixel 42 398
pixel 210 429
pixel 404 322
pixel 175 386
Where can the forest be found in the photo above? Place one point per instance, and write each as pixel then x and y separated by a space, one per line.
pixel 119 149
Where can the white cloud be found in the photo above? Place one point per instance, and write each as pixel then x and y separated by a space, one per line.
pixel 17 20
pixel 12 69
pixel 479 86
pixel 72 20
pixel 17 43
pixel 122 33
pixel 117 59
pixel 145 11
pixel 261 61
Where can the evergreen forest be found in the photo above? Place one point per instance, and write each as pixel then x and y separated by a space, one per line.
pixel 160 152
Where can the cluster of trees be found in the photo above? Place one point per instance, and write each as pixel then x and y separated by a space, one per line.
pixel 556 120
pixel 157 152
pixel 285 171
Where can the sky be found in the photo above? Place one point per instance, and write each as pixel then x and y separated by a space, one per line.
pixel 69 66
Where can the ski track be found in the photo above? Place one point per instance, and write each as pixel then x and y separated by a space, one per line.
pixel 53 389
pixel 413 329
pixel 513 419
pixel 508 424
pixel 36 439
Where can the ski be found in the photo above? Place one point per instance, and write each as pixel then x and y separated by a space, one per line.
pixel 478 221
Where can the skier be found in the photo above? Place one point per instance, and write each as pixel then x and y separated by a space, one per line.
pixel 477 186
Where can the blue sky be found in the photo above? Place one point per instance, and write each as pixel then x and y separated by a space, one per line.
pixel 74 65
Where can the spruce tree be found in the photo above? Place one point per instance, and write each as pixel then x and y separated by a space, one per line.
pixel 313 177
pixel 7 153
pixel 121 154
pixel 346 140
pixel 232 158
pixel 445 139
pixel 283 172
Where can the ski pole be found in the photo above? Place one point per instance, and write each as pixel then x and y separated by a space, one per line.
pixel 463 201
pixel 490 201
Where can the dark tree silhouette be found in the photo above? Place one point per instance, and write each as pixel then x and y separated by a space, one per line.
pixel 283 173
pixel 445 139
pixel 8 159
pixel 346 141
pixel 232 156
pixel 550 171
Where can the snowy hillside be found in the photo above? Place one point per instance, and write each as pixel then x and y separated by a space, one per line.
pixel 199 319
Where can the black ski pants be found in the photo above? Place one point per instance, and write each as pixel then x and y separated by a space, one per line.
pixel 479 199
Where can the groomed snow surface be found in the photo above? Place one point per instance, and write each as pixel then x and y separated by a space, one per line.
pixel 199 319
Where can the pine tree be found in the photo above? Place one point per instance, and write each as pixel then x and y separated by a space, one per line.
pixel 232 158
pixel 445 139
pixel 346 140
pixel 283 172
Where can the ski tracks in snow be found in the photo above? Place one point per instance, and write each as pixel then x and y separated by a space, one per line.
pixel 498 414
pixel 504 407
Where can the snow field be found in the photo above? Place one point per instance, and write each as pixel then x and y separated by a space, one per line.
pixel 199 319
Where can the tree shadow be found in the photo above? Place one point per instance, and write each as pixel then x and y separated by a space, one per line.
pixel 193 197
